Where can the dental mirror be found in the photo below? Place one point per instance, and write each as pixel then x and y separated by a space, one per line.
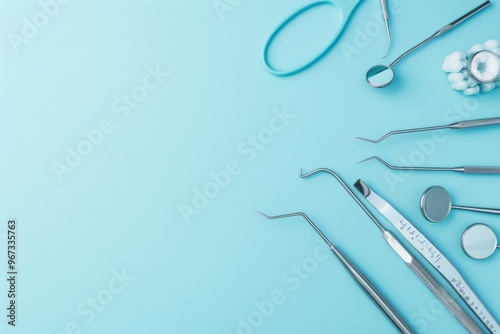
pixel 484 66
pixel 380 76
pixel 435 205
pixel 479 241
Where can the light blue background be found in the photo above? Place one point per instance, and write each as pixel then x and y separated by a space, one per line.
pixel 119 209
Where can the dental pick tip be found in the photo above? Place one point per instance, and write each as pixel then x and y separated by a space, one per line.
pixel 388 38
pixel 379 159
pixel 369 140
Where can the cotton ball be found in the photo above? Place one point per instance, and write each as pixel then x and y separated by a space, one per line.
pixel 474 49
pixel 457 55
pixel 491 44
pixel 471 91
pixel 485 88
pixel 497 51
pixel 455 77
pixel 461 85
pixel 465 74
pixel 471 82
pixel 454 65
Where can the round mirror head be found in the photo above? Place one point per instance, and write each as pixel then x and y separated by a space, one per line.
pixel 380 76
pixel 435 204
pixel 479 241
pixel 484 66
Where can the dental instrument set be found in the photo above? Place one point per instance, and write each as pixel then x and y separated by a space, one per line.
pixel 432 254
pixel 472 71
pixel 415 266
pixel 476 70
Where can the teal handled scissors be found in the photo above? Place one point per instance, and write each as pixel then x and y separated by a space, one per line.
pixel 344 14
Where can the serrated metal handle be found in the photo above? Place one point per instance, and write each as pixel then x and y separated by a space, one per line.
pixel 444 297
pixel 481 170
pixel 474 123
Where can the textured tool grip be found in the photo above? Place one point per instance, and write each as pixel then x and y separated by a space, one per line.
pixel 444 297
pixel 473 123
pixel 373 293
pixel 481 170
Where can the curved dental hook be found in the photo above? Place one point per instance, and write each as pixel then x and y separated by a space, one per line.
pixel 398 132
pixel 379 159
pixel 294 214
pixel 453 169
pixel 380 139
pixel 329 171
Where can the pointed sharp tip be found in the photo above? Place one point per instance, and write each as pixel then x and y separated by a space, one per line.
pixel 261 213
pixel 368 140
pixel 370 158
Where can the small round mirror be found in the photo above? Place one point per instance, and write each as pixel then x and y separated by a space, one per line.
pixel 435 204
pixel 380 76
pixel 484 66
pixel 479 241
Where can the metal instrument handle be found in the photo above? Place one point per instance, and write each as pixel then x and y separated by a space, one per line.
pixel 425 276
pixel 385 13
pixel 444 297
pixel 442 31
pixel 481 170
pixel 373 293
pixel 470 208
pixel 473 123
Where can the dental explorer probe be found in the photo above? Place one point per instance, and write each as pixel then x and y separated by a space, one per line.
pixel 418 269
pixel 385 14
pixel 358 276
pixel 473 123
pixel 463 169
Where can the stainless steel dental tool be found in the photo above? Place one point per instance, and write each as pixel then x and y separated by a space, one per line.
pixel 462 169
pixel 479 241
pixel 385 14
pixel 358 276
pixel 435 205
pixel 473 123
pixel 414 265
pixel 432 254
pixel 380 76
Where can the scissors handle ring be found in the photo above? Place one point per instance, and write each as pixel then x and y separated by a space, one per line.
pixel 342 22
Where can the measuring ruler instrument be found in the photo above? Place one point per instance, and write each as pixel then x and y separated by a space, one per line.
pixel 432 255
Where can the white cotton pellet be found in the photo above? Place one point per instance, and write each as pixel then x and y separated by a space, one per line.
pixel 461 85
pixel 455 77
pixel 491 44
pixel 471 91
pixel 455 55
pixel 471 83
pixel 497 51
pixel 465 74
pixel 485 88
pixel 454 65
pixel 474 49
